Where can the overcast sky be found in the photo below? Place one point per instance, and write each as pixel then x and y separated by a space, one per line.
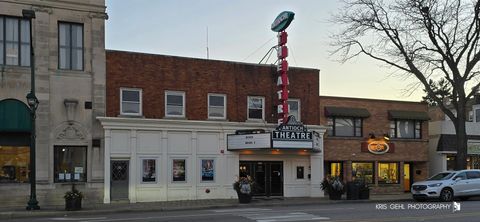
pixel 240 31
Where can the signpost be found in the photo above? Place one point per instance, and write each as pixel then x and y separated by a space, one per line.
pixel 279 25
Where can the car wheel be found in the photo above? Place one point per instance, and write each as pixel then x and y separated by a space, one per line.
pixel 446 195
pixel 464 198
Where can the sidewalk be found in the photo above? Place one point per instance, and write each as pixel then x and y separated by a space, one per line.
pixel 59 211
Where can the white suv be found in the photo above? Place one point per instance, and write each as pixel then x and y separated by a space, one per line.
pixel 447 185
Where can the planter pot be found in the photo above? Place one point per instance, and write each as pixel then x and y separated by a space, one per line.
pixel 364 194
pixel 73 204
pixel 335 195
pixel 244 198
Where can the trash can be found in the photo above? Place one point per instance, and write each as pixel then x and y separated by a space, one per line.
pixel 353 191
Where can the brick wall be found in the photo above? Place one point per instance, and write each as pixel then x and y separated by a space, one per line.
pixel 348 149
pixel 198 77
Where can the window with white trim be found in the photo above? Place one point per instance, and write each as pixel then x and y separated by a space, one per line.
pixel 217 104
pixel 131 102
pixel 149 170
pixel 294 108
pixel 256 109
pixel 174 104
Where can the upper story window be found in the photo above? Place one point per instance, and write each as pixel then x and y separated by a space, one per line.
pixel 14 41
pixel 174 104
pixel 217 104
pixel 345 126
pixel 70 46
pixel 407 129
pixel 131 102
pixel 256 109
pixel 294 108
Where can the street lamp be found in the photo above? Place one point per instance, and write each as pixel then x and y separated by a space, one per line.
pixel 33 104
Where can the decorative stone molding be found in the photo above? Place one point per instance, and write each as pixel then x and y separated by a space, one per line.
pixel 70 106
pixel 71 131
pixel 42 9
pixel 98 15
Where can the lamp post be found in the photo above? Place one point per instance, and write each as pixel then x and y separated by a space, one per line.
pixel 33 104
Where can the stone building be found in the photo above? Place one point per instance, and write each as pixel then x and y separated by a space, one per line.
pixel 69 46
pixel 382 142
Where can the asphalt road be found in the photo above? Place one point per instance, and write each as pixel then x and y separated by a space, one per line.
pixel 368 212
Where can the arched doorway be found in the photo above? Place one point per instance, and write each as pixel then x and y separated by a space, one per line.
pixel 15 128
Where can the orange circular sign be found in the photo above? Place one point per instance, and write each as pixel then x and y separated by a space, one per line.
pixel 378 147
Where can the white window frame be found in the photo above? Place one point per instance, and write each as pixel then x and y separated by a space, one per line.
pixel 224 105
pixel 157 172
pixel 140 102
pixel 175 93
pixel 298 118
pixel 263 107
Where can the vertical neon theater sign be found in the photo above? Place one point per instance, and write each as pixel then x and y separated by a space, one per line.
pixel 279 25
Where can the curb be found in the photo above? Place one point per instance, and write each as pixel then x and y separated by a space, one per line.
pixel 58 213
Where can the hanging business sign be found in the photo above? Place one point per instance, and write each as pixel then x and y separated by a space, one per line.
pixel 292 135
pixel 248 141
pixel 378 146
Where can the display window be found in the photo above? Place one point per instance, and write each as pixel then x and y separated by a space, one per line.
pixel 70 163
pixel 363 171
pixel 14 164
pixel 149 170
pixel 388 173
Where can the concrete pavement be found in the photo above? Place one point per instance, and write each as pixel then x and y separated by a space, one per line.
pixel 98 209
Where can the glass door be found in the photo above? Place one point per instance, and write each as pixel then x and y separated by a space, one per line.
pixel 407 182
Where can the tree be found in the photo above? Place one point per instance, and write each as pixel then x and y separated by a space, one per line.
pixel 436 41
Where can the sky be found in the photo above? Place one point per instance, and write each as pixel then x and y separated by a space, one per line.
pixel 239 30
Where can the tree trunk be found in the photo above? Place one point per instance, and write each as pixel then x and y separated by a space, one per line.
pixel 461 157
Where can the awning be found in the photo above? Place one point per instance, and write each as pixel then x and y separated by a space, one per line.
pixel 332 111
pixel 448 142
pixel 410 115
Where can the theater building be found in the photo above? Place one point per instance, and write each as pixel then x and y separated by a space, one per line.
pixel 184 128
pixel 382 142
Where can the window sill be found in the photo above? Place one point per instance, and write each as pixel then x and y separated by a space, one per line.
pixel 15 69
pixel 131 116
pixel 67 72
pixel 176 117
pixel 408 140
pixel 345 137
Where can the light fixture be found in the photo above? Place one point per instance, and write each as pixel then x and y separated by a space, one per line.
pixel 371 136
pixel 386 136
pixel 32 101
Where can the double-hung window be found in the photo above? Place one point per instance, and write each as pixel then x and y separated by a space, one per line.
pixel 174 104
pixel 131 102
pixel 217 104
pixel 345 126
pixel 294 108
pixel 70 46
pixel 406 129
pixel 256 106
pixel 14 41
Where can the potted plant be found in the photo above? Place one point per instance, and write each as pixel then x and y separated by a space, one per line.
pixel 334 187
pixel 73 199
pixel 244 188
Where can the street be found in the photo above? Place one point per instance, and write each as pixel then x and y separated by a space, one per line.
pixel 376 211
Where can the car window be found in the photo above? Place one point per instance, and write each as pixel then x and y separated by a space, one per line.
pixel 442 176
pixel 462 175
pixel 473 175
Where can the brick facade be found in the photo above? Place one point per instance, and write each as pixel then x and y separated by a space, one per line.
pixel 348 149
pixel 197 77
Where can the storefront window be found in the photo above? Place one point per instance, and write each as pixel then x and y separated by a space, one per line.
pixel 149 169
pixel 336 169
pixel 387 172
pixel 363 171
pixel 208 170
pixel 14 162
pixel 70 164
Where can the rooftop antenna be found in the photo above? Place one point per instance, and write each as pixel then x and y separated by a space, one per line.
pixel 208 57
